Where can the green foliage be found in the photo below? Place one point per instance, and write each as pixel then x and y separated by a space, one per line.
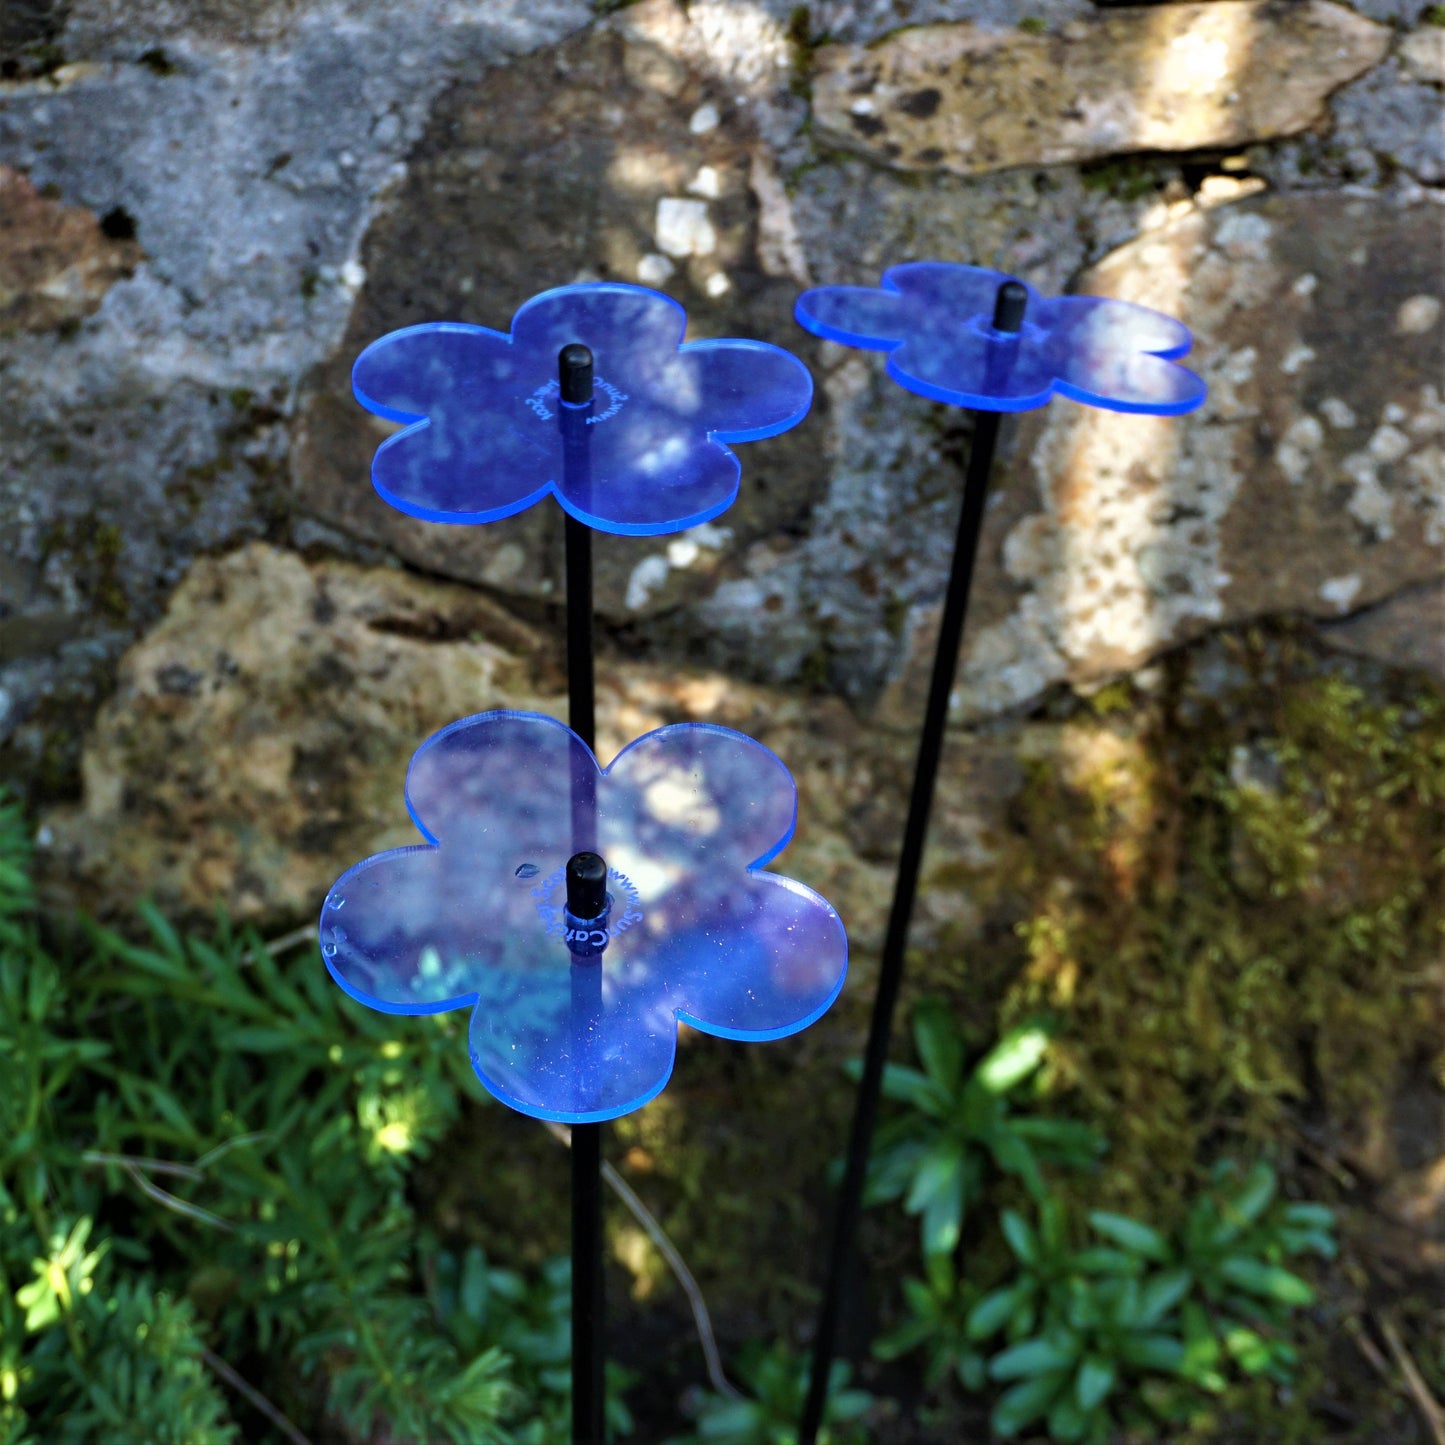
pixel 1127 179
pixel 1126 1326
pixel 1234 903
pixel 1108 1319
pixel 487 1310
pixel 1231 1246
pixel 939 1306
pixel 1082 1325
pixel 204 1158
pixel 935 1155
pixel 778 1383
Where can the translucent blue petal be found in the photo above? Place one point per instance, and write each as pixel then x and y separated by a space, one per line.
pixel 860 316
pixel 935 320
pixel 944 288
pixel 488 437
pixel 973 366
pixel 752 390
pixel 642 473
pixel 684 816
pixel 1115 355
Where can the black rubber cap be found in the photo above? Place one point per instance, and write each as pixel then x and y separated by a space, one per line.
pixel 574 373
pixel 1008 306
pixel 586 885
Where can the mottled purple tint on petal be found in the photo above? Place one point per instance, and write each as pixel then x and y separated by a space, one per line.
pixel 986 372
pixel 466 777
pixel 684 816
pixel 699 794
pixel 627 325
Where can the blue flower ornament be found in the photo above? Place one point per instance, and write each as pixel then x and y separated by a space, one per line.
pixel 575 1019
pixel 935 320
pixel 485 433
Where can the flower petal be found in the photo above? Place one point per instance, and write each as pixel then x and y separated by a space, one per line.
pixel 624 326
pixel 646 471
pixel 1088 325
pixel 1139 383
pixel 408 374
pixel 971 365
pixel 500 783
pixel 462 467
pixel 572 1043
pixel 943 289
pixel 1116 355
pixel 864 316
pixel 749 389
pixel 477 455
pixel 765 963
pixel 694 796
pixel 399 931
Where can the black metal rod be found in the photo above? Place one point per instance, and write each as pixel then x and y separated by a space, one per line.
pixel 1008 317
pixel 581 678
pixel 589 1391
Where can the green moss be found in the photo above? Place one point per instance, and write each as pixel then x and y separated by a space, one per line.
pixel 802 45
pixel 1033 25
pixel 1235 901
pixel 1435 15
pixel 94 549
pixel 1128 179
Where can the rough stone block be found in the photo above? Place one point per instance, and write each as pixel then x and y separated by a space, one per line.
pixel 1146 78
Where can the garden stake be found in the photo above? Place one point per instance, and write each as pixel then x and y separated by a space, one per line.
pixel 1008 318
pixel 586 901
pixel 581 911
pixel 961 334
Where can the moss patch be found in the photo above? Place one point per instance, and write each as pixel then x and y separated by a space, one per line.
pixel 1236 901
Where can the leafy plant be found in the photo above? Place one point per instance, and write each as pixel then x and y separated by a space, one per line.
pixel 204 1159
pixel 1082 1319
pixel 778 1382
pixel 939 1306
pixel 1142 1308
pixel 935 1156
pixel 1230 1248
pixel 1109 1326
pixel 486 1308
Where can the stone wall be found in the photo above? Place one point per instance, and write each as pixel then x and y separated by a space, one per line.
pixel 206 209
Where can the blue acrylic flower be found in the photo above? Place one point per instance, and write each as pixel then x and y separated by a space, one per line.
pixel 935 320
pixel 483 435
pixel 578 1021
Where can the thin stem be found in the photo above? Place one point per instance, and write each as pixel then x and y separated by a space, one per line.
pixel 588 1369
pixel 135 1161
pixel 890 976
pixel 1415 1386
pixel 253 1396
pixel 707 1338
pixel 581 680
pixel 169 1201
